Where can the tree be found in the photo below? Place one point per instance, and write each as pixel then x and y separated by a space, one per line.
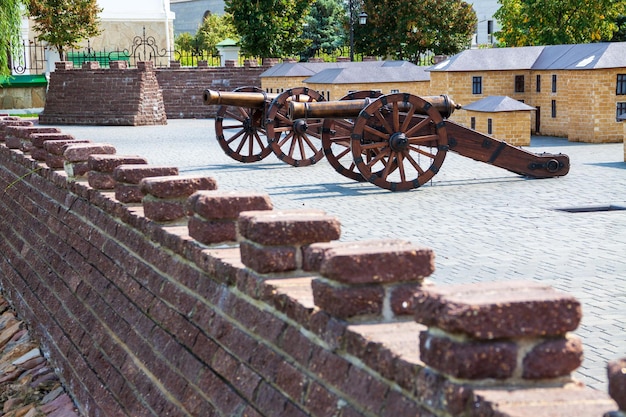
pixel 620 34
pixel 269 28
pixel 215 29
pixel 10 21
pixel 324 28
pixel 64 23
pixel 406 29
pixel 555 22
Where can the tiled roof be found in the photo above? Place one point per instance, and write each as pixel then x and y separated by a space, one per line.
pixel 350 72
pixel 493 104
pixel 552 57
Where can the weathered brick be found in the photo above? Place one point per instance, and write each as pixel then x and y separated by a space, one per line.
pixel 38 139
pixel 345 302
pixel 214 205
pixel 266 259
pixel 107 163
pixel 76 169
pixel 314 254
pixel 212 232
pixel 100 180
pixel 176 186
pixel 288 227
pixel 553 358
pixel 384 263
pixel 126 193
pixel 163 210
pixel 133 174
pixel 57 147
pixel 401 298
pixel 81 152
pixel 494 310
pixel 469 359
pixel 616 372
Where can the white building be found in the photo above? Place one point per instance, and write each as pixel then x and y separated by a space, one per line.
pixel 487 24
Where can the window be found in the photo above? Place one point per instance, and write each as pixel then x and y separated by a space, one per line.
pixel 539 83
pixel 489 126
pixel 477 85
pixel 519 83
pixel 473 123
pixel 554 83
pixel 621 111
pixel 553 109
pixel 620 90
pixel 394 91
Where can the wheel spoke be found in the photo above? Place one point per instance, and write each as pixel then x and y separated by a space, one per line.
pixel 384 136
pixel 237 116
pixel 378 157
pixel 242 143
pixel 388 166
pixel 418 126
pixel 235 136
pixel 401 167
pixel 413 162
pixel 422 152
pixel 383 121
pixel 396 117
pixel 422 139
pixel 374 146
pixel 287 137
pixel 407 120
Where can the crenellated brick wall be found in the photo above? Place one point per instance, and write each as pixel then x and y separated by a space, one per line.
pixel 201 302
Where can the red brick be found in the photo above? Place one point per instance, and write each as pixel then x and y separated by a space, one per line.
pixel 348 301
pixel 314 254
pixel 163 210
pixel 401 298
pixel 56 147
pixel 81 152
pixel 288 227
pixel 469 359
pixel 213 205
pixel 176 186
pixel 100 180
pixel 107 163
pixel 494 310
pixel 212 232
pixel 38 139
pixel 76 169
pixel 553 358
pixel 126 193
pixel 269 258
pixel 382 263
pixel 133 174
pixel 616 371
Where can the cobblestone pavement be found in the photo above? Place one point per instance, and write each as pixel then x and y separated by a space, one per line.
pixel 484 223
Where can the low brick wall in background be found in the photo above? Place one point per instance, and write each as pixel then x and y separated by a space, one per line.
pixel 154 309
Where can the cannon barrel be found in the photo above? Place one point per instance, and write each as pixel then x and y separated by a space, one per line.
pixel 352 108
pixel 237 98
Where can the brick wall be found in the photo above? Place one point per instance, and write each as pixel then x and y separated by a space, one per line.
pixel 94 96
pixel 183 88
pixel 201 302
pixel 511 127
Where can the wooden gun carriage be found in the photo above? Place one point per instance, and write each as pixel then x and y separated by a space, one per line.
pixel 396 141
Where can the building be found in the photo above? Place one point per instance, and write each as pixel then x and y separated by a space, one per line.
pixel 190 13
pixel 487 24
pixel 579 91
pixel 336 79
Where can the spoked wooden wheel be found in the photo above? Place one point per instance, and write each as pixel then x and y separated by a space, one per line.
pixel 336 140
pixel 408 137
pixel 297 142
pixel 240 132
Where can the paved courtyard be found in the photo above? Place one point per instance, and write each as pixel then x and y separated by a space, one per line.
pixel 484 223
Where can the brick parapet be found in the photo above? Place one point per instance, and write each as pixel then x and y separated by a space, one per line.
pixel 126 305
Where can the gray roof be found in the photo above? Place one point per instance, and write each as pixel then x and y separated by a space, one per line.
pixel 350 72
pixel 551 57
pixel 493 104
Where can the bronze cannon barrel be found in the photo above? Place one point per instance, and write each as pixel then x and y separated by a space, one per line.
pixel 237 98
pixel 351 108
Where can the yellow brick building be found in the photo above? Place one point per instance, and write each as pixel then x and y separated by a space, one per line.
pixel 502 117
pixel 578 91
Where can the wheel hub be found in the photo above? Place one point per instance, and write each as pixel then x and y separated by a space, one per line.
pixel 300 126
pixel 399 142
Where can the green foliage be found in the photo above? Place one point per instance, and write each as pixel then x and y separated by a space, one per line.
pixel 406 29
pixel 215 29
pixel 269 28
pixel 64 23
pixel 555 22
pixel 620 34
pixel 324 28
pixel 10 21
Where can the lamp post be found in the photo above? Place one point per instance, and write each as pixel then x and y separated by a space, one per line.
pixel 362 21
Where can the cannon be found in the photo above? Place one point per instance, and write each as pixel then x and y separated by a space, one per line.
pixel 397 141
pixel 250 124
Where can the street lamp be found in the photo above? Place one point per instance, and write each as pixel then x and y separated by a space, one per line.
pixel 362 20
